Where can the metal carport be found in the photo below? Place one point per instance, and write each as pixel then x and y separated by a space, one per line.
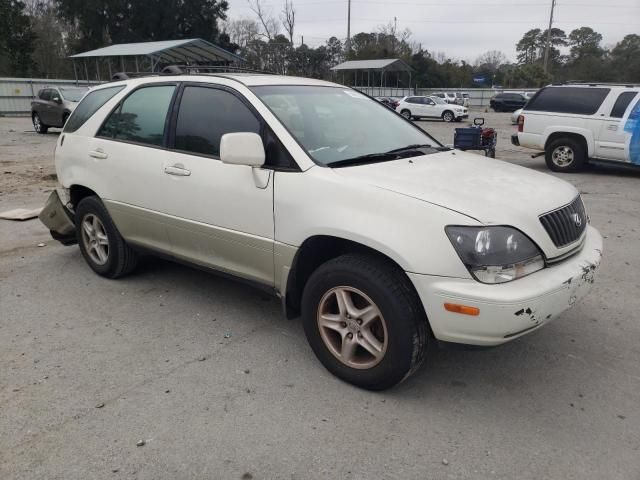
pixel 378 67
pixel 151 57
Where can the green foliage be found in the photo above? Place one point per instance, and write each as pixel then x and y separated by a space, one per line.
pixel 102 22
pixel 16 39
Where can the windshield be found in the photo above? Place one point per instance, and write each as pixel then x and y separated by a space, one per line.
pixel 438 100
pixel 73 94
pixel 336 124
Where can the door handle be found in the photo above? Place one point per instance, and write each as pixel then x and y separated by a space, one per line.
pixel 613 127
pixel 177 169
pixel 98 154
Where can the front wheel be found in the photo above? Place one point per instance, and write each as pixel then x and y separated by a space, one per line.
pixel 364 321
pixel 448 116
pixel 101 244
pixel 565 155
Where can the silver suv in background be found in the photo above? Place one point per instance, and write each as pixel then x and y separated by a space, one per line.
pixel 53 105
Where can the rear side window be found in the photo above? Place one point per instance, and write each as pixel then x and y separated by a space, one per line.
pixel 582 101
pixel 413 100
pixel 205 115
pixel 141 117
pixel 90 105
pixel 622 102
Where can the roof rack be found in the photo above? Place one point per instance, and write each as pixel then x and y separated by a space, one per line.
pixel 596 84
pixel 195 69
pixel 187 70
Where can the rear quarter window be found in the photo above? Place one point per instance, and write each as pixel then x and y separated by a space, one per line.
pixel 577 100
pixel 89 105
pixel 622 102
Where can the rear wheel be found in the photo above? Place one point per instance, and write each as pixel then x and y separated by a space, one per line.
pixel 406 114
pixel 364 321
pixel 565 155
pixel 448 116
pixel 38 126
pixel 101 244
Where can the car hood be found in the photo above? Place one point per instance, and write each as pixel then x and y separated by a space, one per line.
pixel 488 190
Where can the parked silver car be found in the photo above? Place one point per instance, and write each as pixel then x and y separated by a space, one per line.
pixel 53 105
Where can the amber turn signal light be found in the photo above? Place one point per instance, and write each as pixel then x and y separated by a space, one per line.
pixel 463 309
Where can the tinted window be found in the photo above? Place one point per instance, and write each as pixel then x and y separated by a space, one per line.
pixel 413 100
pixel 90 105
pixel 584 101
pixel 44 94
pixel 206 114
pixel 141 116
pixel 622 102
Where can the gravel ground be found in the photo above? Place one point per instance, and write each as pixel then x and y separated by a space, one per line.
pixel 207 374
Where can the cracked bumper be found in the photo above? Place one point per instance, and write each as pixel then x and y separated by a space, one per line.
pixel 509 310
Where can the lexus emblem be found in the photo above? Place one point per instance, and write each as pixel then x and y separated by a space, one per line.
pixel 577 219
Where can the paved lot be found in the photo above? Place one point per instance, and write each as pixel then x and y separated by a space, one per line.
pixel 220 386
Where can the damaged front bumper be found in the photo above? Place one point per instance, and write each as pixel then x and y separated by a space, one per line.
pixel 58 219
pixel 509 310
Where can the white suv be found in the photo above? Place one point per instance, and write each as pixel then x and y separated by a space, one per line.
pixel 573 123
pixel 381 238
pixel 430 107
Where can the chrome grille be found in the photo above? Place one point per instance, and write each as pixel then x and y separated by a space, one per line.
pixel 566 224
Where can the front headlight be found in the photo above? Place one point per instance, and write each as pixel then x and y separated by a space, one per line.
pixel 495 254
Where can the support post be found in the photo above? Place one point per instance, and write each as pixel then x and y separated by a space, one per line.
pixel 86 70
pixel 97 70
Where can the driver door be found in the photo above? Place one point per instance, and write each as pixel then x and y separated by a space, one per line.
pixel 219 215
pixel 430 108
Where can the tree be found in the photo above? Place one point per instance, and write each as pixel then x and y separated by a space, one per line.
pixel 288 17
pixel 585 42
pixel 491 60
pixel 625 58
pixel 50 45
pixel 101 22
pixel 529 46
pixel 16 39
pixel 269 24
pixel 242 32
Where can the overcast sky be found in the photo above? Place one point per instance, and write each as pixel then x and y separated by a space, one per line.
pixel 463 29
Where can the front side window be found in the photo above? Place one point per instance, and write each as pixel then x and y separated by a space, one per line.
pixel 89 105
pixel 622 102
pixel 141 117
pixel 205 114
pixel 336 124
pixel 44 94
pixel 578 100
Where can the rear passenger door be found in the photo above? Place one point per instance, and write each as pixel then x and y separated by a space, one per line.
pixel 221 215
pixel 45 110
pixel 128 153
pixel 611 138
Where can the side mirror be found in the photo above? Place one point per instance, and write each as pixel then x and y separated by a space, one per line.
pixel 56 99
pixel 242 148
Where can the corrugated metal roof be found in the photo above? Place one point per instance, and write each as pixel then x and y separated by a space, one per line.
pixel 173 51
pixel 386 64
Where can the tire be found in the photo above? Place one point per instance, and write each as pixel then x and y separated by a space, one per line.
pixel 400 327
pixel 38 126
pixel 406 114
pixel 448 116
pixel 118 258
pixel 565 155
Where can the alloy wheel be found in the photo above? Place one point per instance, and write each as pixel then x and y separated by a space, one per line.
pixel 352 327
pixel 95 240
pixel 36 123
pixel 447 117
pixel 562 156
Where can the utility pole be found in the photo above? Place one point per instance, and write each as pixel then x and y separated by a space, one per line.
pixel 546 50
pixel 348 27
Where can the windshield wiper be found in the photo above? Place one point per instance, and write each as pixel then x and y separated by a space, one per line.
pixel 418 146
pixel 362 159
pixel 394 154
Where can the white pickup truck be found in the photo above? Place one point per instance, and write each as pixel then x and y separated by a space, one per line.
pixel 573 123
